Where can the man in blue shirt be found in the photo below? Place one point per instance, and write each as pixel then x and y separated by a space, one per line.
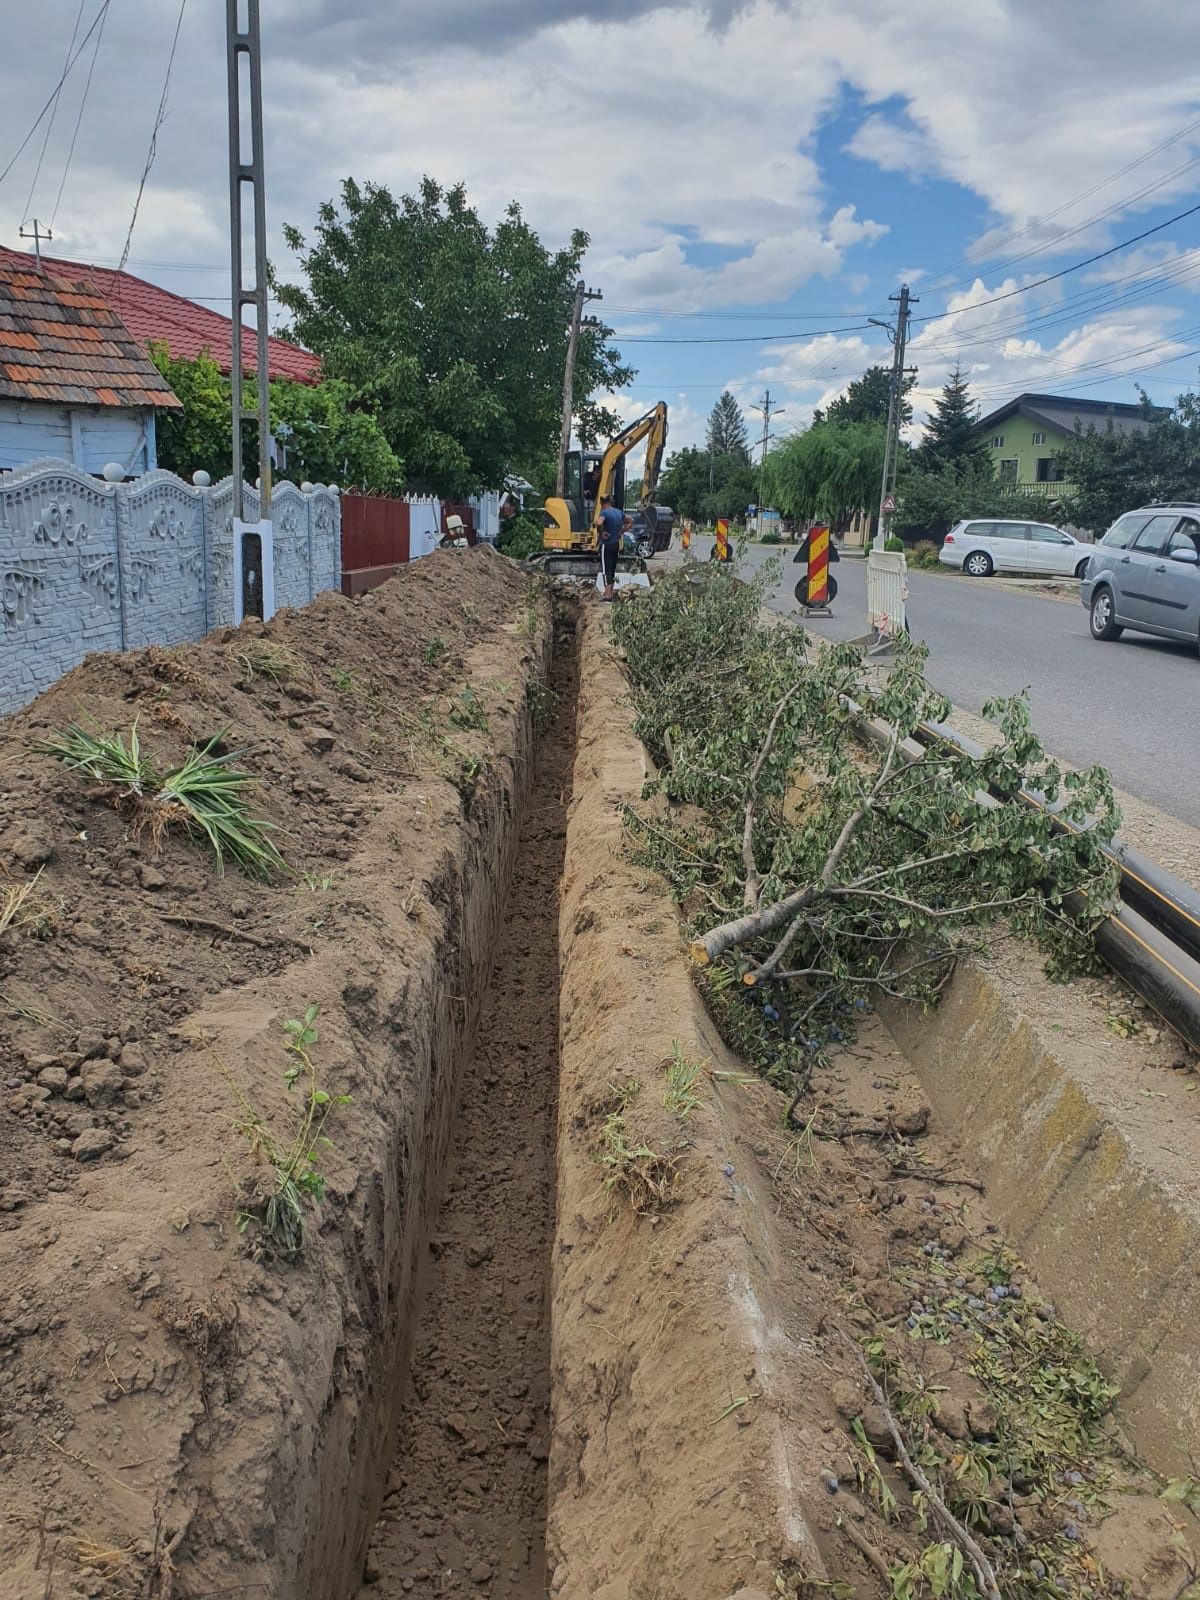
pixel 610 525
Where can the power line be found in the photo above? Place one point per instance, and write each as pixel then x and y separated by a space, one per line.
pixel 158 122
pixel 747 338
pixel 79 119
pixel 37 171
pixel 1053 277
pixel 1086 194
pixel 37 121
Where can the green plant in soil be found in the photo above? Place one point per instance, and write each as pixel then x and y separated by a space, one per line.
pixel 683 1074
pixel 642 1176
pixel 296 1182
pixel 206 796
pixel 1030 1478
pixel 542 702
pixel 435 651
pixel 264 659
pixel 466 711
pixel 816 872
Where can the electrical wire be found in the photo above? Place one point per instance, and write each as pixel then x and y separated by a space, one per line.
pixel 1064 272
pixel 79 118
pixel 747 338
pixel 37 171
pixel 37 121
pixel 158 122
pixel 1086 194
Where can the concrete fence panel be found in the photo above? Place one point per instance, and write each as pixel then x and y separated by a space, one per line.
pixel 87 565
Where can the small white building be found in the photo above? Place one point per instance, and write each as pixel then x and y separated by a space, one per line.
pixel 73 382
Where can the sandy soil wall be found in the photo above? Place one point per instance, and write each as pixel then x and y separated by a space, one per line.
pixel 177 1417
pixel 1090 1149
pixel 673 1472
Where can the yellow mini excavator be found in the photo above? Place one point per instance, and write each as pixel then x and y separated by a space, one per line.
pixel 570 542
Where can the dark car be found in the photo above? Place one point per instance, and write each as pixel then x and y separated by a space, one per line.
pixel 652 531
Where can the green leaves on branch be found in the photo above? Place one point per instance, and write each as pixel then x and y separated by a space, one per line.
pixel 816 871
pixel 451 334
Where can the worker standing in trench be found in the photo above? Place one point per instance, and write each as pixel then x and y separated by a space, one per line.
pixel 610 524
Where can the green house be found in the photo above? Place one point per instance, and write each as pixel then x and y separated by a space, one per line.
pixel 1023 436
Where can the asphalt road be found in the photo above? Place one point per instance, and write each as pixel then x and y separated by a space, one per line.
pixel 1133 705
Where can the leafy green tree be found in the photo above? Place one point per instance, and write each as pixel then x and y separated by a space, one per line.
pixel 952 438
pixel 832 471
pixel 452 333
pixel 1114 472
pixel 685 484
pixel 727 430
pixel 930 500
pixel 327 440
pixel 867 400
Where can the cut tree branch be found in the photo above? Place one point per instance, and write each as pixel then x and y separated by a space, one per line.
pixel 985 1574
pixel 753 887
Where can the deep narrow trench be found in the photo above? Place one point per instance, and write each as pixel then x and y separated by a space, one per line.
pixel 465 1509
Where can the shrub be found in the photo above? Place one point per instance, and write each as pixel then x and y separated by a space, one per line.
pixel 893 543
pixel 522 537
pixel 924 554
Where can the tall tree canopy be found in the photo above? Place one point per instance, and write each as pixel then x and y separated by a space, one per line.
pixel 831 471
pixel 685 484
pixel 866 400
pixel 1114 472
pixel 727 430
pixel 454 335
pixel 951 437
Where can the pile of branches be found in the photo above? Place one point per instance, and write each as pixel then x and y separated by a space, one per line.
pixel 817 871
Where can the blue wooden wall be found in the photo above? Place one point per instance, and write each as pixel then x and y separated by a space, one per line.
pixel 88 436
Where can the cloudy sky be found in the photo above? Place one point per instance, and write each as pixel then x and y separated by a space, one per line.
pixel 757 177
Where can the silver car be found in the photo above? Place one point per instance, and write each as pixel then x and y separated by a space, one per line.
pixel 980 546
pixel 1145 574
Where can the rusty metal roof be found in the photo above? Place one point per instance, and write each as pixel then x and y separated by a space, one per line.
pixel 63 343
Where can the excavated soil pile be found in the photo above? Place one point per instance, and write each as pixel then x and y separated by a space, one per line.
pixel 177 1416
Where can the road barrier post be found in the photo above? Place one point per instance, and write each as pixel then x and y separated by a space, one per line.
pixel 887 591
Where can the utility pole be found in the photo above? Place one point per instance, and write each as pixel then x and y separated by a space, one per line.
pixel 246 167
pixel 37 236
pixel 768 411
pixel 582 294
pixel 891 444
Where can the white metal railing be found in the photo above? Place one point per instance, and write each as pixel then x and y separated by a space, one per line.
pixel 887 590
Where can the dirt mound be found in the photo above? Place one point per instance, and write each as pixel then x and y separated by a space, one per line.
pixel 150 1369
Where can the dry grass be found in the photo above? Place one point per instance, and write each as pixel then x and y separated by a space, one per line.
pixel 23 906
pixel 645 1178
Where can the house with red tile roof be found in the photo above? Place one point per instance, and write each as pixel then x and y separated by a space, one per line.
pixel 155 315
pixel 74 383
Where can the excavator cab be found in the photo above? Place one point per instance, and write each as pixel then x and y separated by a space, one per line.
pixel 570 543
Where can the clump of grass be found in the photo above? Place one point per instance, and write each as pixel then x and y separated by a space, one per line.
pixel 542 702
pixel 317 883
pixel 470 611
pixel 644 1177
pixel 296 1181
pixel 681 1098
pixel 343 681
pixel 466 711
pixel 24 906
pixel 206 796
pixel 264 659
pixel 436 650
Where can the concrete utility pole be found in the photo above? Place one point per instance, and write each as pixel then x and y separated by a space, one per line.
pixel 37 236
pixel 768 411
pixel 582 295
pixel 899 333
pixel 246 167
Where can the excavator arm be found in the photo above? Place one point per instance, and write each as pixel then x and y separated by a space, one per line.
pixel 653 428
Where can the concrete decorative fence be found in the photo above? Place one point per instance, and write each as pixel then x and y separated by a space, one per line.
pixel 89 565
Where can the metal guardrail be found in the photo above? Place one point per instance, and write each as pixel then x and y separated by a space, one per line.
pixel 1151 934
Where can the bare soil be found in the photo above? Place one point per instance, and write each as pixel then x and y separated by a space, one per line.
pixel 465 1512
pixel 178 1417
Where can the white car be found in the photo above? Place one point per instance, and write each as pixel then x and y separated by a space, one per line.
pixel 983 545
